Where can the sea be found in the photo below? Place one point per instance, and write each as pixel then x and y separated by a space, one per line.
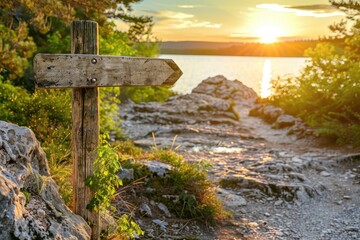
pixel 255 72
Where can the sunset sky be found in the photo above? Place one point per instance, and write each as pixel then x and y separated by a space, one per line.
pixel 238 20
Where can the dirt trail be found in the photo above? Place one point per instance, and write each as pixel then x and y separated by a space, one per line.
pixel 276 185
pixel 305 192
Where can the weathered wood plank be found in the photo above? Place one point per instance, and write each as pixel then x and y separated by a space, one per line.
pixel 85 126
pixel 69 70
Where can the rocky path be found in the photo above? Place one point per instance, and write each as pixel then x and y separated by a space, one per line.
pixel 276 185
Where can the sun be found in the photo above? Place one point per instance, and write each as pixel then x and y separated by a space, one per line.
pixel 268 39
pixel 268 34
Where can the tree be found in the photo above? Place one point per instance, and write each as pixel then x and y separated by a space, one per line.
pixel 327 93
pixel 30 26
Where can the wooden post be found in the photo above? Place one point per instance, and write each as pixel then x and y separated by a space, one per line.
pixel 85 71
pixel 85 125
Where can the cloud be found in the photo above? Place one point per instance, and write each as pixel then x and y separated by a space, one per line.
pixel 173 15
pixel 316 7
pixel 316 10
pixel 180 20
pixel 186 6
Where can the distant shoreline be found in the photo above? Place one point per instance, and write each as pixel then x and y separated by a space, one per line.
pixel 224 55
pixel 278 49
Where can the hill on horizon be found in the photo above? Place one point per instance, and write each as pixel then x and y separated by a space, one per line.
pixel 294 48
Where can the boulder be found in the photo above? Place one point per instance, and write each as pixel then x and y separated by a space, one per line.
pixel 268 113
pixel 272 113
pixel 30 204
pixel 183 109
pixel 222 88
pixel 285 121
pixel 279 120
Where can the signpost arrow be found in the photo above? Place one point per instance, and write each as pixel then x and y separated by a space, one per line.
pixel 85 71
pixel 77 70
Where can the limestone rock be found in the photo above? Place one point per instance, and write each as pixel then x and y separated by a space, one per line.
pixel 285 121
pixel 157 169
pixel 107 223
pixel 279 120
pixel 230 198
pixel 161 224
pixel 182 109
pixel 325 174
pixel 268 113
pixel 222 88
pixel 23 168
pixel 164 209
pixel 126 174
pixel 145 210
pixel 212 102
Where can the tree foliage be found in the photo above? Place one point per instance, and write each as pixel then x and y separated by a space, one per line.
pixel 28 27
pixel 327 93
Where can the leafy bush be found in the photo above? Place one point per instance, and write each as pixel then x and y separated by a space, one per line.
pixel 127 150
pixel 48 114
pixel 105 182
pixel 146 93
pixel 196 194
pixel 327 93
pixel 197 198
pixel 13 103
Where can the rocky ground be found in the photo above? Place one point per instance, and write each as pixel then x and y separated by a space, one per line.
pixel 276 185
pixel 30 204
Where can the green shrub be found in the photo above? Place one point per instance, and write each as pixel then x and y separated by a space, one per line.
pixel 146 94
pixel 13 103
pixel 326 94
pixel 197 198
pixel 127 149
pixel 105 183
pixel 104 180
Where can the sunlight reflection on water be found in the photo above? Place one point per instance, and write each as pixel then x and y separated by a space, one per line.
pixel 249 70
pixel 265 83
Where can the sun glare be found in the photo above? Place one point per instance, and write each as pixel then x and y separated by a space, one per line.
pixel 268 34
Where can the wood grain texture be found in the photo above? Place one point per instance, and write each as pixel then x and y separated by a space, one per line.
pixel 85 126
pixel 67 70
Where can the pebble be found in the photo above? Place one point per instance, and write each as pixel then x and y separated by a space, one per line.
pixel 41 213
pixel 150 190
pixel 161 223
pixel 325 174
pixel 145 210
pixel 352 229
pixel 267 214
pixel 346 197
pixel 164 209
pixel 278 202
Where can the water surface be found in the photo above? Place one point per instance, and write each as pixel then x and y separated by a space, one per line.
pixel 255 72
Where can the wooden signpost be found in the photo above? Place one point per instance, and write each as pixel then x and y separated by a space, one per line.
pixel 85 71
